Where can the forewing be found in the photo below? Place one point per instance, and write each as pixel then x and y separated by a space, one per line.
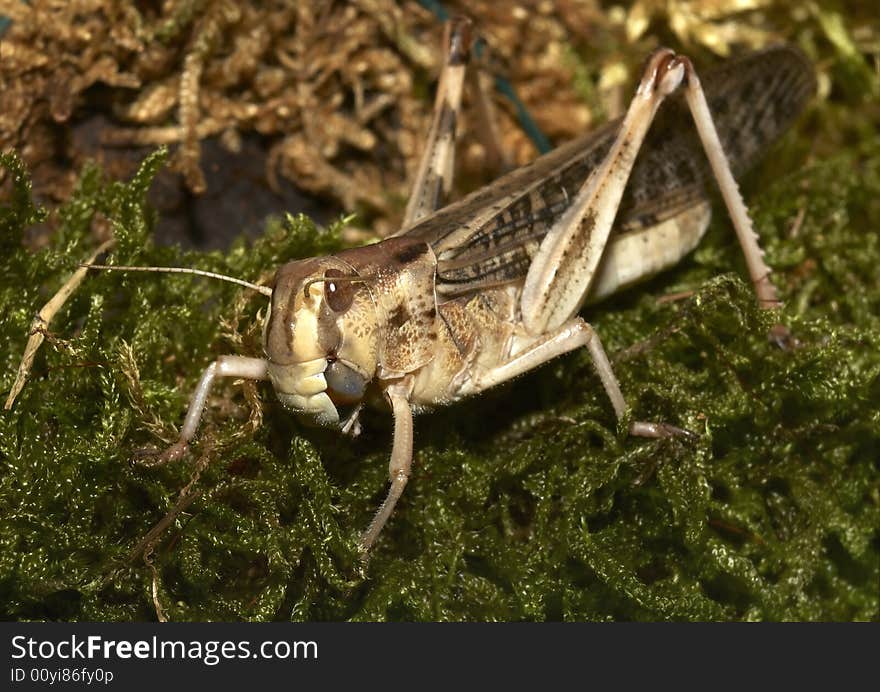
pixel 490 237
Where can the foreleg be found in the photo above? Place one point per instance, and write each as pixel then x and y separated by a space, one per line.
pixel 224 366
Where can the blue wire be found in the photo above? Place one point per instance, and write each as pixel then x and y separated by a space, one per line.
pixel 501 84
pixel 435 7
pixel 6 21
pixel 522 114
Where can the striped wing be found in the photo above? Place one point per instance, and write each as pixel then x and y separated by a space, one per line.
pixel 490 237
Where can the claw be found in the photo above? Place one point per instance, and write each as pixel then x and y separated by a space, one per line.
pixel 147 456
pixel 781 335
pixel 657 430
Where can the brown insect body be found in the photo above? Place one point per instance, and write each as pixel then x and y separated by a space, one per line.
pixel 439 302
pixel 474 294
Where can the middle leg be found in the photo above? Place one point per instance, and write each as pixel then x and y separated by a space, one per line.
pixel 570 336
pixel 398 395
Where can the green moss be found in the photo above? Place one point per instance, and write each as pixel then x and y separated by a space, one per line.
pixel 525 503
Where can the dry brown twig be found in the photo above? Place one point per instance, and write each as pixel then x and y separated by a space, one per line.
pixel 44 317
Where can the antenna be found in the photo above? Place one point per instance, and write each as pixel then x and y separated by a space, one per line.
pixel 265 290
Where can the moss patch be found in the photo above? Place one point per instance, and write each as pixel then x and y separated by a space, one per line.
pixel 528 503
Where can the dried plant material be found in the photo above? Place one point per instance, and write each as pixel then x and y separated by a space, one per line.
pixel 185 499
pixel 206 35
pixel 43 319
pixel 338 92
pixel 153 104
pixel 148 419
pixel 715 24
pixel 154 585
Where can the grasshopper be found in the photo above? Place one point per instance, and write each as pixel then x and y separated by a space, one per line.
pixel 472 294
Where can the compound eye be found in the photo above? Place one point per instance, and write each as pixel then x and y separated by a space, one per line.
pixel 339 295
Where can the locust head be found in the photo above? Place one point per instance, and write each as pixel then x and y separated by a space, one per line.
pixel 320 338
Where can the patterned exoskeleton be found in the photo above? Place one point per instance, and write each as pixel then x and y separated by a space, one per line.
pixel 485 289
